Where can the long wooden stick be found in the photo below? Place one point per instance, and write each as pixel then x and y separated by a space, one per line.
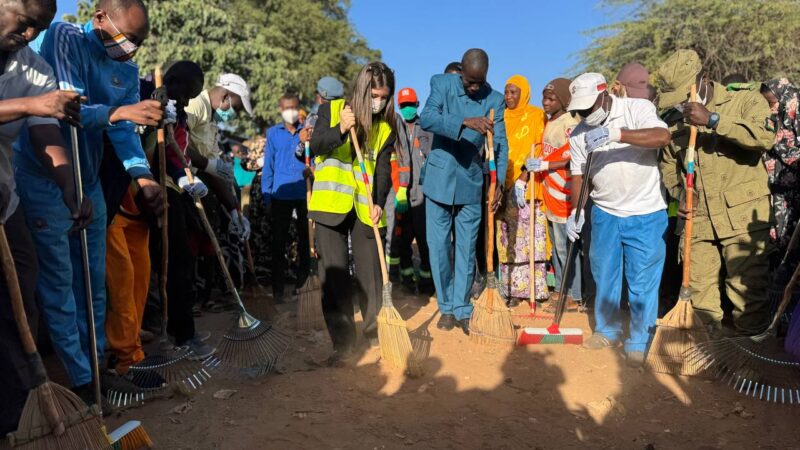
pixel 690 154
pixel 311 249
pixel 490 200
pixel 368 194
pixel 162 174
pixel 532 232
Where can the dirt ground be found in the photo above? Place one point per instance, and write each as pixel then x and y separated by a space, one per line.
pixel 541 397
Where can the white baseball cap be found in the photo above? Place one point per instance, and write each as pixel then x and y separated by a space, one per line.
pixel 234 83
pixel 585 89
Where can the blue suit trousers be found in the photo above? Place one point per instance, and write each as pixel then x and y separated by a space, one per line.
pixel 452 278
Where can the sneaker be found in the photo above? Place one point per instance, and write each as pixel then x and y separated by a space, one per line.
pixel 146 336
pixel 200 350
pixel 598 341
pixel 634 360
pixel 202 336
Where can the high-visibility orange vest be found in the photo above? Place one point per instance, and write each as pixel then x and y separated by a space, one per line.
pixel 557 185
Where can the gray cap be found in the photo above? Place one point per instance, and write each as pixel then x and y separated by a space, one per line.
pixel 330 88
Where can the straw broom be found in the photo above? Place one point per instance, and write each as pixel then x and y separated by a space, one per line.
pixel 681 328
pixel 309 301
pixel 53 416
pixel 491 322
pixel 393 337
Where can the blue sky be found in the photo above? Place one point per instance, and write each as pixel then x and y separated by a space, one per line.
pixel 535 38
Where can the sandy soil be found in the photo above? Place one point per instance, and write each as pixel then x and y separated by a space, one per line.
pixel 470 396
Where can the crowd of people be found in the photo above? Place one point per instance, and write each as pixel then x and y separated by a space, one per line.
pixel 425 170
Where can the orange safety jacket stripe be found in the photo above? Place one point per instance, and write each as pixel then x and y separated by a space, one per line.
pixel 557 185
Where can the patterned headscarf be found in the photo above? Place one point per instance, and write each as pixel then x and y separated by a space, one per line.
pixel 785 118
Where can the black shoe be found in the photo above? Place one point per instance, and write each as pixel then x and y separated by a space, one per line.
pixel 513 302
pixel 464 325
pixel 86 393
pixel 447 322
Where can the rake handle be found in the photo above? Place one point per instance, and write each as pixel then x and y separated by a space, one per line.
pixel 368 194
pixel 532 186
pixel 162 174
pixel 687 243
pixel 490 199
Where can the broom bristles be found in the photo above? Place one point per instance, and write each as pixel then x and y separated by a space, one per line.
pixel 130 436
pixel 393 337
pixel 680 330
pixel 309 305
pixel 491 322
pixel 83 425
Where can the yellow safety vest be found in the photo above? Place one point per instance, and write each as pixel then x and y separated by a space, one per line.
pixel 338 183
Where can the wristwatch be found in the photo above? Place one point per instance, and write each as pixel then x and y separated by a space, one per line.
pixel 713 121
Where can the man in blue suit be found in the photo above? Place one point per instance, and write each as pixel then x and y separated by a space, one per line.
pixel 457 113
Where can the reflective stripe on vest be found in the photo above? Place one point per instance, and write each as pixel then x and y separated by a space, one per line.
pixel 338 183
pixel 557 185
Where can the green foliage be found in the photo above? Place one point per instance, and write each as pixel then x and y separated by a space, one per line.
pixel 756 38
pixel 275 45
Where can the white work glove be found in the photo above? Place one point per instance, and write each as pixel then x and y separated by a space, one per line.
pixel 220 168
pixel 574 229
pixel 536 165
pixel 239 225
pixel 170 113
pixel 601 136
pixel 196 189
pixel 519 193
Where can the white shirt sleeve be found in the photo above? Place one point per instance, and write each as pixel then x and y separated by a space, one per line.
pixel 577 151
pixel 644 115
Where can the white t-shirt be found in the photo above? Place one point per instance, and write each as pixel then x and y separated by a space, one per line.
pixel 203 130
pixel 26 75
pixel 626 180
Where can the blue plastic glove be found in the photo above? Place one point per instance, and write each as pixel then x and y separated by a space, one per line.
pixel 533 164
pixel 519 193
pixel 198 189
pixel 573 228
pixel 601 136
pixel 221 169
pixel 239 225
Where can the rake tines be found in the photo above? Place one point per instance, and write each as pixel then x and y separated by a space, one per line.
pixel 157 374
pixel 740 363
pixel 251 347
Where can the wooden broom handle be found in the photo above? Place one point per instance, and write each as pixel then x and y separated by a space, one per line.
pixel 12 282
pixel 490 200
pixel 162 174
pixel 532 186
pixel 689 202
pixel 311 249
pixel 368 194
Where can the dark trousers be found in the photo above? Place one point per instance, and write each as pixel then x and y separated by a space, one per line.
pixel 14 372
pixel 407 227
pixel 180 271
pixel 281 221
pixel 337 302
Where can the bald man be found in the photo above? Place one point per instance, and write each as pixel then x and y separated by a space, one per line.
pixel 457 113
pixel 93 60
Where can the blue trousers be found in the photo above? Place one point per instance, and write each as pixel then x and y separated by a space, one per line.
pixel 558 234
pixel 638 243
pixel 452 278
pixel 60 288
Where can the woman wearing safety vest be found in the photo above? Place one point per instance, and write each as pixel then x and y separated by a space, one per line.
pixel 339 203
pixel 553 168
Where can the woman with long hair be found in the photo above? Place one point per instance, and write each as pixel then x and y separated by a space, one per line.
pixel 339 204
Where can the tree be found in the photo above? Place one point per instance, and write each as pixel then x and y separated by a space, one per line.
pixel 275 45
pixel 756 38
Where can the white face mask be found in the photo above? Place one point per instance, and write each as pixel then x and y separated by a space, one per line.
pixel 378 104
pixel 290 115
pixel 596 118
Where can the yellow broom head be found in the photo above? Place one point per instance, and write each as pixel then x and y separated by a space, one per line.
pixel 393 337
pixel 679 330
pixel 130 436
pixel 309 305
pixel 83 426
pixel 491 322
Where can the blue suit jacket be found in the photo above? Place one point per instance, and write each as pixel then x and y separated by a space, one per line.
pixel 453 172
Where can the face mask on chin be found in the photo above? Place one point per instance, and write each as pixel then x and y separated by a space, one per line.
pixel 118 47
pixel 378 104
pixel 225 115
pixel 596 118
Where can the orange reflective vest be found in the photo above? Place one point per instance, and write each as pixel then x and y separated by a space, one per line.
pixel 557 185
